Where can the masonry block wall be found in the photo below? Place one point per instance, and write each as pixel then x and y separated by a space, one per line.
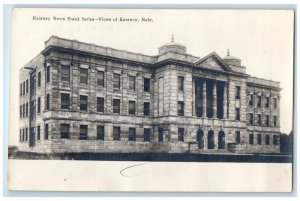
pixel 87 98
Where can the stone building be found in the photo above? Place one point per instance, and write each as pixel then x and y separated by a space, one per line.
pixel 79 97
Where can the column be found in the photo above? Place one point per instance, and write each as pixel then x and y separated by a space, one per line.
pixel 225 101
pixel 204 98
pixel 214 99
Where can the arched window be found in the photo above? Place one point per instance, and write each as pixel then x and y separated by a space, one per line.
pixel 210 140
pixel 200 139
pixel 221 140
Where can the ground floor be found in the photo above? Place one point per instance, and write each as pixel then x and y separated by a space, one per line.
pixel 165 135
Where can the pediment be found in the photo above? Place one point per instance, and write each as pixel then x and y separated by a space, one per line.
pixel 213 61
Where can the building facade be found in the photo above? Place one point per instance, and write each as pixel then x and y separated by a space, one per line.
pixel 79 97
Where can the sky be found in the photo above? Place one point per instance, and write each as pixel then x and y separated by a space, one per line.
pixel 262 39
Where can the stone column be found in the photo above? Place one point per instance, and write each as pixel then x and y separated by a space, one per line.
pixel 214 99
pixel 204 98
pixel 194 99
pixel 225 101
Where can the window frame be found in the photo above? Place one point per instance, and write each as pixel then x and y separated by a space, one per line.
pixel 83 135
pixel 83 106
pixel 64 74
pixel 132 134
pixel 237 92
pixel 99 105
pixel 64 134
pixel 147 138
pixel 100 132
pixel 116 81
pixel 100 82
pixel 131 83
pixel 116 135
pixel 180 83
pixel 116 107
pixel 64 104
pixel 83 76
pixel 180 134
pixel 131 107
pixel 147 86
pixel 180 108
pixel 146 109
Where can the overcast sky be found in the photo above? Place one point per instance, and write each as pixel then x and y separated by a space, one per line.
pixel 263 40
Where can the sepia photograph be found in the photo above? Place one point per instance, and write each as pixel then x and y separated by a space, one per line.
pixel 151 95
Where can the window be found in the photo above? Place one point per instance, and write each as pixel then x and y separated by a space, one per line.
pixel 237 92
pixel 116 133
pixel 39 105
pixel 180 81
pixel 83 132
pixel 26 134
pixel 267 120
pixel 38 133
pixel 147 134
pixel 259 119
pixel 275 140
pixel 48 102
pixel 146 85
pixel 21 111
pixel 131 107
pixel 100 132
pixel 251 100
pixel 116 106
pixel 146 109
pixel 132 83
pixel 23 135
pixel 83 103
pixel 160 134
pixel 48 74
pixel 116 81
pixel 181 134
pixel 250 118
pixel 26 109
pixel 180 108
pixel 46 131
pixel 132 134
pixel 259 139
pixel 83 76
pixel 267 139
pixel 237 114
pixel 258 101
pixel 274 102
pixel 100 104
pixel 21 89
pixel 65 101
pixel 39 78
pixel 64 131
pixel 100 78
pixel 267 102
pixel 24 88
pixel 251 139
pixel 65 74
pixel 27 86
pixel 238 137
pixel 274 121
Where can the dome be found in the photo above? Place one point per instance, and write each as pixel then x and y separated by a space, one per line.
pixel 231 60
pixel 172 47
